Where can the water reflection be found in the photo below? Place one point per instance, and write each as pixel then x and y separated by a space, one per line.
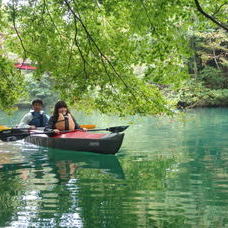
pixel 48 185
pixel 68 162
pixel 169 173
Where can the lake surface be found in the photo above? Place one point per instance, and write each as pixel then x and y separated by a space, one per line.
pixel 170 172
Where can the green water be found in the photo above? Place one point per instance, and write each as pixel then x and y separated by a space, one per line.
pixel 170 172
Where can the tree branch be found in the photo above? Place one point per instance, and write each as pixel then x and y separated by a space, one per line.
pixel 18 35
pixel 199 8
pixel 103 57
pixel 52 20
pixel 79 49
pixel 226 3
pixel 148 17
pixel 25 51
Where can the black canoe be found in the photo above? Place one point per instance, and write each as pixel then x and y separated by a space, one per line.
pixel 108 143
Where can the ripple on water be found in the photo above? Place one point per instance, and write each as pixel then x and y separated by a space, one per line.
pixel 168 173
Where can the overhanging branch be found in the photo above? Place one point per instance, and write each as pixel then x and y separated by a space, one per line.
pixel 220 7
pixel 103 56
pixel 199 8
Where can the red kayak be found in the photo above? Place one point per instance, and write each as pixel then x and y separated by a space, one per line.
pixel 105 143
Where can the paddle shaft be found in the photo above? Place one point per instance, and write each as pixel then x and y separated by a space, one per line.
pixel 112 129
pixel 87 126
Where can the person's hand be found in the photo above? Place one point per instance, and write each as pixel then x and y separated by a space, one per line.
pixel 32 127
pixel 56 131
pixel 84 129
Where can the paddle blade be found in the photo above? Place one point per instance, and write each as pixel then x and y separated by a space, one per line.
pixel 13 134
pixel 117 129
pixel 88 126
pixel 3 128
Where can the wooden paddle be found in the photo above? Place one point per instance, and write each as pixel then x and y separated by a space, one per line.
pixel 15 134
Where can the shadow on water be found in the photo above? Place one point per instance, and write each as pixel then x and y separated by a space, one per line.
pixel 107 163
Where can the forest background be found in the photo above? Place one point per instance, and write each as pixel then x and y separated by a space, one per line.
pixel 118 57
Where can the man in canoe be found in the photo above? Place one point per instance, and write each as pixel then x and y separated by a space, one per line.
pixel 62 120
pixel 36 117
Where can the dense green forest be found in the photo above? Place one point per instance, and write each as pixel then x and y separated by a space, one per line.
pixel 90 53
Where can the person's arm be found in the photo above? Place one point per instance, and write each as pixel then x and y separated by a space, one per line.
pixel 49 129
pixel 24 123
pixel 45 119
pixel 50 124
pixel 77 126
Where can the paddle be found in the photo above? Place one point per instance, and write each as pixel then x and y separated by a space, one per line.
pixel 18 134
pixel 3 127
pixel 112 129
pixel 87 126
pixel 15 134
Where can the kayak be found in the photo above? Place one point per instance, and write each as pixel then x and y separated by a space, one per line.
pixel 105 143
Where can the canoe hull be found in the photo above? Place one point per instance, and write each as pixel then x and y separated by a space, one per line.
pixel 109 144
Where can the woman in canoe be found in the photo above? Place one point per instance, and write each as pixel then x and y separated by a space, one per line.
pixel 62 119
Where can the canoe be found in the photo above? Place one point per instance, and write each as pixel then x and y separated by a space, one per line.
pixel 108 143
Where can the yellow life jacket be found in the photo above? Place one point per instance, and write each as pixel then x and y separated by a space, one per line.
pixel 65 122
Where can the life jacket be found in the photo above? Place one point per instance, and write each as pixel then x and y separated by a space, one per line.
pixel 38 119
pixel 65 122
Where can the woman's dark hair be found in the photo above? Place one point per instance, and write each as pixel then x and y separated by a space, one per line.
pixel 59 104
pixel 37 101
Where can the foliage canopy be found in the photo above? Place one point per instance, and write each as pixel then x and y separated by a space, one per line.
pixel 90 48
